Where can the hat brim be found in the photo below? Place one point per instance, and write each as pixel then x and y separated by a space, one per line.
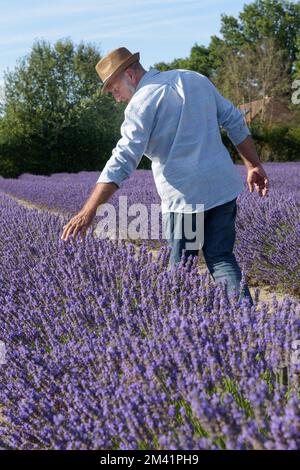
pixel 134 58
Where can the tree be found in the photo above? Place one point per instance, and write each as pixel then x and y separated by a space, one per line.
pixel 296 73
pixel 202 59
pixel 54 117
pixel 217 50
pixel 255 72
pixel 277 19
pixel 232 32
pixel 261 20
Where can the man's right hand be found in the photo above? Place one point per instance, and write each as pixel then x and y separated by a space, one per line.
pixel 81 221
pixel 78 224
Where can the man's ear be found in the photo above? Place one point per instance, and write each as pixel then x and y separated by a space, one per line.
pixel 129 73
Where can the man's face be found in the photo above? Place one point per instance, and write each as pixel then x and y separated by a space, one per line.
pixel 121 88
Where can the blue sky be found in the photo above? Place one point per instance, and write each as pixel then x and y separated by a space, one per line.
pixel 159 29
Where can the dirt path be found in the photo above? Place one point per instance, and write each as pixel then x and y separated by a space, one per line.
pixel 266 292
pixel 31 205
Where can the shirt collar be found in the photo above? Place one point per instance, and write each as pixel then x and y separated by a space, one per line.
pixel 146 77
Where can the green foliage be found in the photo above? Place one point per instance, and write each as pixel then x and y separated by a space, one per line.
pixel 261 20
pixel 277 142
pixel 205 60
pixel 232 32
pixel 54 116
pixel 255 72
pixel 274 143
pixel 296 71
pixel 277 19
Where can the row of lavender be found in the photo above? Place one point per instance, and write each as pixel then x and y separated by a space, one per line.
pixel 107 349
pixel 268 230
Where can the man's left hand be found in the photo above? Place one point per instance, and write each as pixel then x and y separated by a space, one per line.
pixel 257 179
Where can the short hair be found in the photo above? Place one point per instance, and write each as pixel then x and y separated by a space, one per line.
pixel 135 67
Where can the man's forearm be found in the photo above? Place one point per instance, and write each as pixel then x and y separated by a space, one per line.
pixel 248 153
pixel 101 194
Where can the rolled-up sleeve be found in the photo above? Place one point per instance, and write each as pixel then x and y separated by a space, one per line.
pixel 135 133
pixel 230 117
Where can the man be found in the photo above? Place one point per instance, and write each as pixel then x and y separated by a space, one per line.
pixel 174 118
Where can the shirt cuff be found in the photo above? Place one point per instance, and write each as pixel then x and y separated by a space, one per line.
pixel 105 177
pixel 239 134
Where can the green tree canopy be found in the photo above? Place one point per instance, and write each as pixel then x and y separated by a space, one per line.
pixel 54 118
pixel 276 19
pixel 255 73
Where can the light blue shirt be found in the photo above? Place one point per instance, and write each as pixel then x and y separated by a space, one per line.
pixel 174 118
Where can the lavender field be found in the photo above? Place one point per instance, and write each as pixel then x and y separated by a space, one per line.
pixel 107 349
pixel 268 230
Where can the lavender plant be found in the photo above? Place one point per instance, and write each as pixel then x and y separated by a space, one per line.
pixel 268 230
pixel 107 349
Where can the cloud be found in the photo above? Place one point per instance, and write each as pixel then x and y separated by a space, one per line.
pixel 172 23
pixel 68 8
pixel 129 24
pixel 135 30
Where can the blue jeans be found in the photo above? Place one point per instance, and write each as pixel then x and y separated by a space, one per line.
pixel 219 237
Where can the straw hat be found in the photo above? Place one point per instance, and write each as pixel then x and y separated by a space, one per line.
pixel 114 63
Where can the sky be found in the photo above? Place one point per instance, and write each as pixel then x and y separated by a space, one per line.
pixel 160 30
